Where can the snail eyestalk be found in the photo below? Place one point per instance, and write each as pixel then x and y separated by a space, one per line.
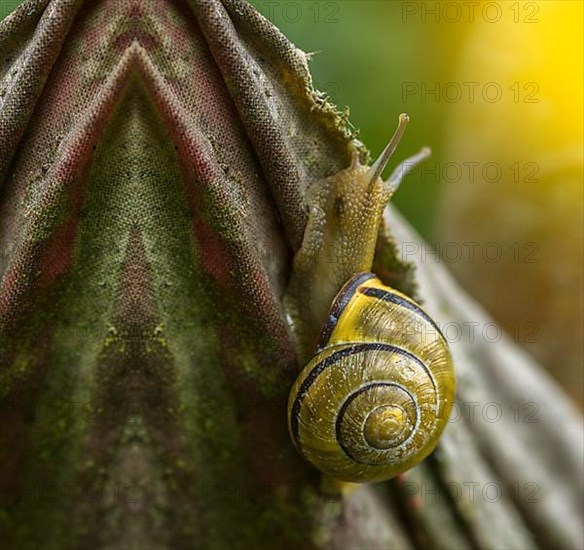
pixel 380 164
pixel 404 168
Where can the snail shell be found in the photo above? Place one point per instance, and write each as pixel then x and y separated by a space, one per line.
pixel 376 396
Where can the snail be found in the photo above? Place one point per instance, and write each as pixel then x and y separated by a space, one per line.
pixel 378 385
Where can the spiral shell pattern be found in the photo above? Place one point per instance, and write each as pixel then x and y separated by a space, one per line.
pixel 376 397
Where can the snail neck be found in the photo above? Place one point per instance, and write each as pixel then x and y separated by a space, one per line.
pixel 345 212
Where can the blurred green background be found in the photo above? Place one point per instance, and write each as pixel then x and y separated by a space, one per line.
pixel 6 6
pixel 367 53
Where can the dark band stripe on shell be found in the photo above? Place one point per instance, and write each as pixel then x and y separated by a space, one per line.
pixel 351 398
pixel 342 299
pixel 387 296
pixel 331 360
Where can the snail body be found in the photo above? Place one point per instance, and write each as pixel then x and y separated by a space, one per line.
pixel 375 398
pixel 378 383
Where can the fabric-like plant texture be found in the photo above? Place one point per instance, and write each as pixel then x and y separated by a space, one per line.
pixel 154 157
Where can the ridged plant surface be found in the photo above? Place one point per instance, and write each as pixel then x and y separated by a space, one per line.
pixel 154 157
